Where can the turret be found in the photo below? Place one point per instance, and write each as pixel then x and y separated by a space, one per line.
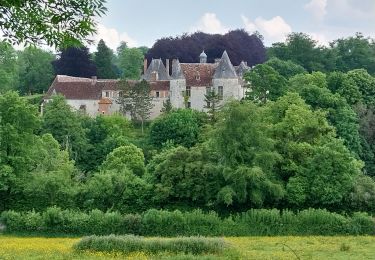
pixel 203 57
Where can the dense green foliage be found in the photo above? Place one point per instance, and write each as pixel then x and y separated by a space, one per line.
pixel 181 127
pixel 129 244
pixel 194 223
pixel 130 62
pixel 343 54
pixel 53 22
pixel 103 61
pixel 298 140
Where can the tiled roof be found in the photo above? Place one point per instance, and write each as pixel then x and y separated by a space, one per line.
pixel 198 74
pixel 160 85
pixel 80 89
pixel 85 88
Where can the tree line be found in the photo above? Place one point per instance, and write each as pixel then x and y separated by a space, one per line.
pixel 32 70
pixel 299 139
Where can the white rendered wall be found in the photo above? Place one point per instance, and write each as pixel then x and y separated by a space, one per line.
pixel 92 106
pixel 177 87
pixel 197 98
pixel 231 88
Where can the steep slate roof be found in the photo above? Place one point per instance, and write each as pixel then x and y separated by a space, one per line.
pixel 158 66
pixel 176 70
pixel 198 74
pixel 241 69
pixel 225 69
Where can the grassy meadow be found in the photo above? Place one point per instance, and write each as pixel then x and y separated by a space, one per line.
pixel 313 247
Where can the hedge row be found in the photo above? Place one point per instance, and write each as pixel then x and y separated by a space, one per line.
pixel 153 222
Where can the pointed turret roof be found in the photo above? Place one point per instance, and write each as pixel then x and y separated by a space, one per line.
pixel 156 66
pixel 203 55
pixel 242 68
pixel 176 70
pixel 225 69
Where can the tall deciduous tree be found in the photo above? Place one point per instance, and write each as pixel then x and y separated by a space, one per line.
pixel 76 62
pixel 287 69
pixel 181 127
pixel 57 23
pixel 238 43
pixel 264 83
pixel 19 123
pixel 35 70
pixel 354 52
pixel 103 61
pixel 130 63
pixel 136 99
pixel 127 156
pixel 69 132
pixel 8 67
pixel 301 49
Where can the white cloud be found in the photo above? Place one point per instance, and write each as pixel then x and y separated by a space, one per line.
pixel 321 38
pixel 209 23
pixel 112 37
pixel 273 30
pixel 318 8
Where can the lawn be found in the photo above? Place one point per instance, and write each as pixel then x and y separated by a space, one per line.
pixel 317 247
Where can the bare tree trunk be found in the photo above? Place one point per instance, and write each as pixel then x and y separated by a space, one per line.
pixel 142 125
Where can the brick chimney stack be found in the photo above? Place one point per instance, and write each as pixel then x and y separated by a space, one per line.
pixel 144 66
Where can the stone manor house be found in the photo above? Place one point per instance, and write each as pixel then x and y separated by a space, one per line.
pixel 99 96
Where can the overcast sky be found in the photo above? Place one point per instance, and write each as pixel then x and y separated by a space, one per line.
pixel 143 22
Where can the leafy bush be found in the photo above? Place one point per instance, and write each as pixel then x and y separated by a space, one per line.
pixel 129 244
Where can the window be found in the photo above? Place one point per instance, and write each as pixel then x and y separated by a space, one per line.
pixel 220 92
pixel 120 94
pixel 188 91
pixel 157 94
pixel 189 104
pixel 107 94
pixel 197 77
pixel 208 104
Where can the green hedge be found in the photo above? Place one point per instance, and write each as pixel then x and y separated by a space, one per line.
pixel 130 244
pixel 257 222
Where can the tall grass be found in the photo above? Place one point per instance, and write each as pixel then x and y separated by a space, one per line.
pixel 130 244
pixel 153 222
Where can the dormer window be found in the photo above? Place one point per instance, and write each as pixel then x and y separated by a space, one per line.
pixel 197 77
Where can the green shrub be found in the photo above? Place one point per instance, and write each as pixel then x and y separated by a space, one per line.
pixel 129 244
pixel 257 222
pixel 12 220
pixel 321 222
pixel 362 223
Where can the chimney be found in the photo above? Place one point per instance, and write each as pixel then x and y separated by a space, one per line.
pixel 167 66
pixel 144 66
pixel 93 80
